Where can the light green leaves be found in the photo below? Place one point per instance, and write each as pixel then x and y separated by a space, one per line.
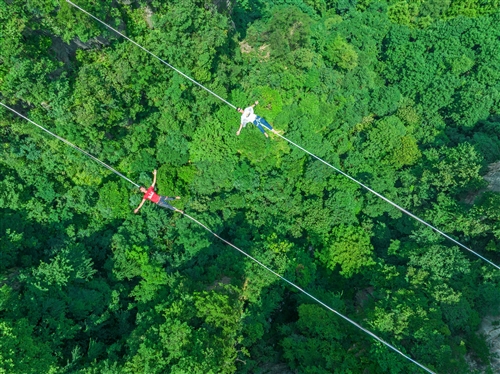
pixel 341 53
pixel 350 248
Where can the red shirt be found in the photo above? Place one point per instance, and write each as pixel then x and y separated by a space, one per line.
pixel 151 195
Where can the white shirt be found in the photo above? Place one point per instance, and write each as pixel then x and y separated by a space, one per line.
pixel 248 116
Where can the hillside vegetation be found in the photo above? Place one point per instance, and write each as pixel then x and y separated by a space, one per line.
pixel 402 95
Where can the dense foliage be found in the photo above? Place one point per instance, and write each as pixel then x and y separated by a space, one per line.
pixel 403 95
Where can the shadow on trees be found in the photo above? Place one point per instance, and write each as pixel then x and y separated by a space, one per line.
pixel 63 286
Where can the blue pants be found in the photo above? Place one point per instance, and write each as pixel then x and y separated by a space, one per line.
pixel 259 121
pixel 163 202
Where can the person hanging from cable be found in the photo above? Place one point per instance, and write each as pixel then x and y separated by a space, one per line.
pixel 149 194
pixel 248 115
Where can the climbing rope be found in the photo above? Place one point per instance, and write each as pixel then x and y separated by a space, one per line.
pixel 296 145
pixel 232 245
pixel 71 145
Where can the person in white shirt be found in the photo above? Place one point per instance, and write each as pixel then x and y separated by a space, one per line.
pixel 248 116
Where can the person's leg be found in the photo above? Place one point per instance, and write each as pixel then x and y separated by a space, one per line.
pixel 265 123
pixel 163 203
pixel 259 126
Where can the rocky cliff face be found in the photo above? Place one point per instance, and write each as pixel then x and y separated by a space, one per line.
pixel 493 177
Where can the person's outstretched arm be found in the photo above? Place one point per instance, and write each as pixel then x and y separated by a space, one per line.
pixel 254 104
pixel 154 178
pixel 239 130
pixel 140 206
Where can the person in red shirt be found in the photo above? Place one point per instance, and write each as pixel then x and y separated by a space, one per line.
pixel 151 195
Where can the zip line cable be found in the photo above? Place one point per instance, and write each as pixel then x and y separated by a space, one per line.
pixel 390 202
pixel 152 54
pixel 296 145
pixel 312 297
pixel 233 246
pixel 72 145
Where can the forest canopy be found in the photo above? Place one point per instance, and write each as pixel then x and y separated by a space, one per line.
pixel 402 95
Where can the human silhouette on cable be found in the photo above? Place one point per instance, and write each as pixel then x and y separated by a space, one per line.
pixel 149 194
pixel 248 116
